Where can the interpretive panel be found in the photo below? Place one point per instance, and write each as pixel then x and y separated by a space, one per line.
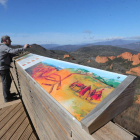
pixel 79 89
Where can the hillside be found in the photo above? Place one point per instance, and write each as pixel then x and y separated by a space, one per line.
pixel 102 50
pixel 37 49
pixel 72 48
pixel 83 55
pixel 68 48
pixel 49 46
pixel 133 46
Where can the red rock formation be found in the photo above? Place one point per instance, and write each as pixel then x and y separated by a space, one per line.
pixel 111 66
pixel 134 71
pixel 88 61
pixel 66 55
pixel 101 59
pixel 126 55
pixel 135 59
pixel 97 95
pixel 91 93
pixel 82 92
pixel 111 57
pixel 138 54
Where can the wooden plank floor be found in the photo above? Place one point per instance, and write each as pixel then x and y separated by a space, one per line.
pixel 14 123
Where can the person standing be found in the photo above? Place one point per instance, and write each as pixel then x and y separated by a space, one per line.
pixel 6 54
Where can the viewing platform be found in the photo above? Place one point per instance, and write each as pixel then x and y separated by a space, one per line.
pixel 37 115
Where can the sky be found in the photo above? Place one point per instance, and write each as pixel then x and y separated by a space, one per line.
pixel 69 21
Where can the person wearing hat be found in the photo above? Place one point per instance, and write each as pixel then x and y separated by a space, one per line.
pixel 5 60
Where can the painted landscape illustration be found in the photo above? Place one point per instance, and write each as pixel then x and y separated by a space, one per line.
pixel 23 57
pixel 77 88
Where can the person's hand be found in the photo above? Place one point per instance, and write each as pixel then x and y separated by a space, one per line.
pixel 27 46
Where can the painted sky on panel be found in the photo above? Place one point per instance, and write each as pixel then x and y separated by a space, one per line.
pixel 69 21
pixel 102 73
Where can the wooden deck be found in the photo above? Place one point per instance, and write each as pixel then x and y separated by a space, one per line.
pixel 14 122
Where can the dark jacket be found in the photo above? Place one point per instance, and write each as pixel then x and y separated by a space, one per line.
pixel 5 55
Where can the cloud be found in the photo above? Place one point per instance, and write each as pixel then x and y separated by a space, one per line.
pixel 113 38
pixel 134 37
pixel 118 38
pixel 91 38
pixel 87 31
pixel 4 3
pixel 125 38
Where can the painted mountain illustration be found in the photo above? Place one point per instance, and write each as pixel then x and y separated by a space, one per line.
pixel 77 89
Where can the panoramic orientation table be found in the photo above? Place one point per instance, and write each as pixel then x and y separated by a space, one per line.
pixel 67 100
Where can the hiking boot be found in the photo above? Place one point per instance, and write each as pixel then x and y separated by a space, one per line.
pixel 13 94
pixel 10 99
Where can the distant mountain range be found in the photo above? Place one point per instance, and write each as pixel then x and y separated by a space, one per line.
pixel 115 42
pixel 49 46
pixel 118 42
pixel 132 46
pixel 68 48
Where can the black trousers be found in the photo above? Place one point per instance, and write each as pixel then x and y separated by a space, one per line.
pixel 6 82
